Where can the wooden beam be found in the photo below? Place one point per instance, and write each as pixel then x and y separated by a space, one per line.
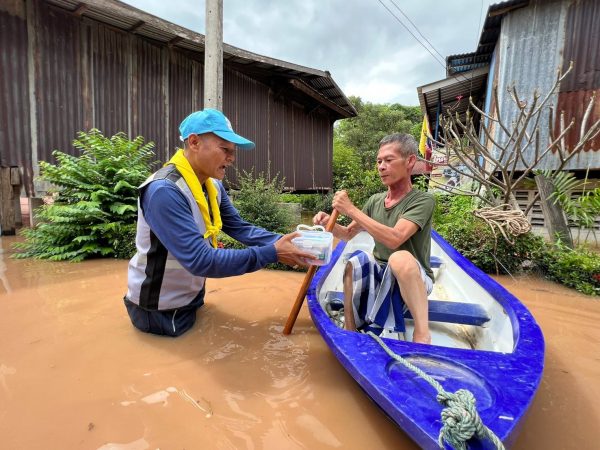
pixel 7 203
pixel 136 26
pixel 174 41
pixel 318 97
pixel 81 8
pixel 15 176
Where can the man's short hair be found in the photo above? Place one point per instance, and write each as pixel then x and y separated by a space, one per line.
pixel 405 143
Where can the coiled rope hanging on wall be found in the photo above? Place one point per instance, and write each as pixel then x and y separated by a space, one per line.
pixel 509 221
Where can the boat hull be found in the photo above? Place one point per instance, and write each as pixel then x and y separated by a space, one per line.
pixel 503 382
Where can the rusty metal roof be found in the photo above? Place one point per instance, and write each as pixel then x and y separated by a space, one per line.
pixel 316 83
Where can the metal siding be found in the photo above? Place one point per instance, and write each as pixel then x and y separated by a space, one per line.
pixel 301 155
pixel 181 75
pixel 278 134
pixel 58 82
pixel 246 104
pixel 574 104
pixel 528 46
pixel 322 152
pixel 131 19
pixel 15 133
pixel 90 74
pixel 581 47
pixel 109 74
pixel 148 97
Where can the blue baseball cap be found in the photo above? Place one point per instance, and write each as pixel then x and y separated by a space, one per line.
pixel 212 121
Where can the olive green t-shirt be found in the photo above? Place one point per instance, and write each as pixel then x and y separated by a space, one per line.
pixel 417 207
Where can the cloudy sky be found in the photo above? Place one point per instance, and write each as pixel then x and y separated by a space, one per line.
pixel 361 42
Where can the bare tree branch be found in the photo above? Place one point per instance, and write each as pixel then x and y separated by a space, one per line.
pixel 493 163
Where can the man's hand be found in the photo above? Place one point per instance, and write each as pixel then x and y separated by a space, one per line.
pixel 288 253
pixel 321 218
pixel 342 203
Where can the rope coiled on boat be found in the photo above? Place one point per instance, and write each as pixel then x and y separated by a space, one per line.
pixel 460 418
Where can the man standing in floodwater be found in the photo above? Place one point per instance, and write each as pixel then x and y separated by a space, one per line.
pixel 399 220
pixel 181 209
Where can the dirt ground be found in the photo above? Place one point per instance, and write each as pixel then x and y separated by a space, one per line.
pixel 74 373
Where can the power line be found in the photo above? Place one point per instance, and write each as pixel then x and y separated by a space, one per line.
pixel 443 64
pixel 479 26
pixel 417 29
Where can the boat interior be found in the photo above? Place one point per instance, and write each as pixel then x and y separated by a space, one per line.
pixel 462 313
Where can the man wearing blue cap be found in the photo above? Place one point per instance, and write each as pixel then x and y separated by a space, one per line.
pixel 182 208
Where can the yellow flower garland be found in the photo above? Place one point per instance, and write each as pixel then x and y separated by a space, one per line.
pixel 185 169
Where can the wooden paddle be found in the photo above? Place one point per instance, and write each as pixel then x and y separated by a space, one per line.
pixel 307 279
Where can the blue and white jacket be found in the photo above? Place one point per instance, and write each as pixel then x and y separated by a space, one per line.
pixel 173 259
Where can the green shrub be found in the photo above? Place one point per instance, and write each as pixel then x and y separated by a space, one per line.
pixel 94 207
pixel 290 198
pixel 582 209
pixel 578 268
pixel 228 242
pixel 315 202
pixel 225 241
pixel 454 220
pixel 256 199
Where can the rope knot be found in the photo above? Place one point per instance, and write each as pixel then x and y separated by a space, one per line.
pixel 460 419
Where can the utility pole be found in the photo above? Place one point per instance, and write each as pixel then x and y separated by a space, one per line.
pixel 213 55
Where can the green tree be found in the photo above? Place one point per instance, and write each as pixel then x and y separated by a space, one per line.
pixel 374 121
pixel 94 207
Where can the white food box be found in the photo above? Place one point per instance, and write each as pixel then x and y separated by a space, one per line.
pixel 315 240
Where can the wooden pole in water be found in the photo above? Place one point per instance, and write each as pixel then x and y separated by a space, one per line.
pixel 307 279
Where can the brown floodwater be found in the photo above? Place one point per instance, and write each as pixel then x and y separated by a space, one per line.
pixel 74 373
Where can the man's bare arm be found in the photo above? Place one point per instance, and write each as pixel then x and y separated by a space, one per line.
pixel 390 237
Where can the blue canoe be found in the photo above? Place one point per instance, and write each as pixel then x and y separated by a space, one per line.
pixel 483 339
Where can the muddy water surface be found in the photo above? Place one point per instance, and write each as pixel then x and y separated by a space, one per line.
pixel 74 373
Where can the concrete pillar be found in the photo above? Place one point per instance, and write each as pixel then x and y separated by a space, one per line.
pixel 213 55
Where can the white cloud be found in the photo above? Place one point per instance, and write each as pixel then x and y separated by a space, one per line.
pixel 368 52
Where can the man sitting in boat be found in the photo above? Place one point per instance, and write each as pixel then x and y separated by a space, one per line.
pixel 399 221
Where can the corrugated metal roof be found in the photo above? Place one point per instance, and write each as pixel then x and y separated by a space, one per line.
pixel 452 94
pixel 128 18
pixel 466 62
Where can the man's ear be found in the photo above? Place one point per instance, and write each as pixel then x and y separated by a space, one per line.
pixel 412 160
pixel 193 141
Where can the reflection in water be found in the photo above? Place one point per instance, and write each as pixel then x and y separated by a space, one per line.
pixel 159 397
pixel 75 374
pixel 3 276
pixel 139 444
pixel 4 371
